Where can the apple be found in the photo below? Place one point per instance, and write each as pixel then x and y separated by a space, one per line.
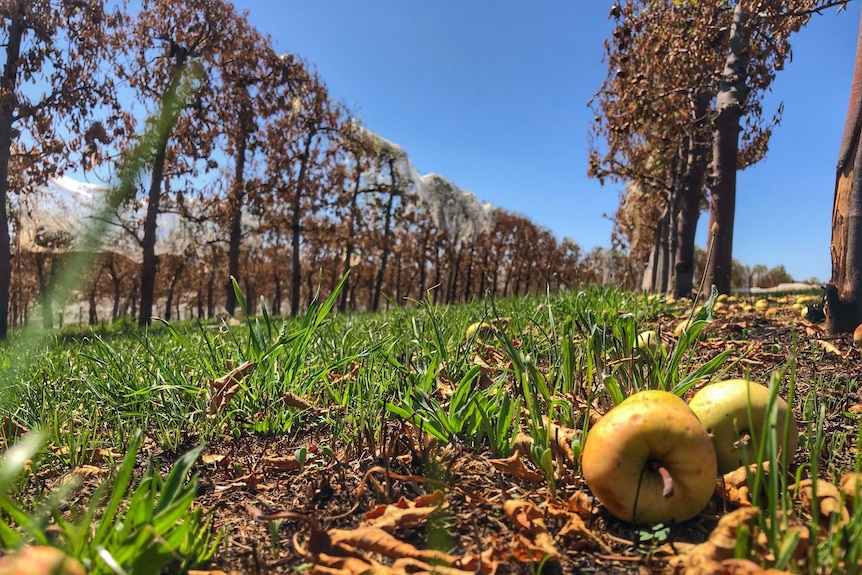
pixel 39 560
pixel 480 327
pixel 660 396
pixel 723 409
pixel 761 305
pixel 649 344
pixel 649 460
pixel 681 327
pixel 857 335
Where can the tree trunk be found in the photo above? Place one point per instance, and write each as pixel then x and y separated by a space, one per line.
pixel 689 208
pixel 454 268
pixel 276 300
pixel 172 289
pixel 296 228
pixel 45 292
pixel 93 316
pixel 116 284
pixel 348 248
pixel 663 274
pixel 844 292
pixel 732 94
pixel 387 249
pixel 8 85
pixel 235 203
pixel 150 261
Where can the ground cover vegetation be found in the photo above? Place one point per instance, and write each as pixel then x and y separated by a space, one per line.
pixel 421 439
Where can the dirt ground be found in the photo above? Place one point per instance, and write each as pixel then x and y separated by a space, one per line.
pixel 395 503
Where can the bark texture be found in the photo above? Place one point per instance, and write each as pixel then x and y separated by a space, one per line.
pixel 689 206
pixel 732 94
pixel 8 82
pixel 844 293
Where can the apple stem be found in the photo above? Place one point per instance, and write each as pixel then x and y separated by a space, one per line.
pixel 666 477
pixel 744 440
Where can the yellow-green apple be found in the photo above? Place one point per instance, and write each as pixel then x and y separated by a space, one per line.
pixel 681 327
pixel 649 344
pixel 660 396
pixel 724 408
pixel 649 460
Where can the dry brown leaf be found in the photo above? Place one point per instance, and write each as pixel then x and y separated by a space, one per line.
pixel 574 531
pixel 733 486
pixel 493 357
pixel 830 500
pixel 326 564
pixel 445 386
pixel 216 459
pixel 11 429
pixel 416 567
pixel 746 567
pixel 74 477
pixel 405 513
pixel 293 400
pixel 222 390
pixel 379 541
pixel 851 486
pixel 707 557
pixel 828 347
pixel 535 543
pixel 513 466
pixel 284 463
pixel 582 504
pixel 91 454
pixel 561 438
pixel 336 379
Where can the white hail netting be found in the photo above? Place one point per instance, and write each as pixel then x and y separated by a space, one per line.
pixel 452 209
pixel 52 216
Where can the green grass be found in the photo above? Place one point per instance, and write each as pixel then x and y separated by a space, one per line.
pixel 102 388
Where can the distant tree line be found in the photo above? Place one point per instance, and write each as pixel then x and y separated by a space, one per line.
pixel 679 113
pixel 298 192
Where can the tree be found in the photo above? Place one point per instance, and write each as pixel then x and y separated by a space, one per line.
pixel 654 115
pixel 844 291
pixel 301 141
pixel 166 39
pixel 52 78
pixel 248 70
pixel 758 46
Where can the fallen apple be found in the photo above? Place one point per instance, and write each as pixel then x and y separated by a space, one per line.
pixel 479 330
pixel 649 344
pixel 39 560
pixel 857 335
pixel 649 460
pixel 681 327
pixel 723 409
pixel 658 395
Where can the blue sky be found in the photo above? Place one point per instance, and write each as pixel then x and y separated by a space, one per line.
pixel 492 94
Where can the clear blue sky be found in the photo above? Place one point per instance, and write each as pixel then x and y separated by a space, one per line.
pixel 492 94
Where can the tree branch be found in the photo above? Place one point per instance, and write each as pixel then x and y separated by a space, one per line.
pixel 799 13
